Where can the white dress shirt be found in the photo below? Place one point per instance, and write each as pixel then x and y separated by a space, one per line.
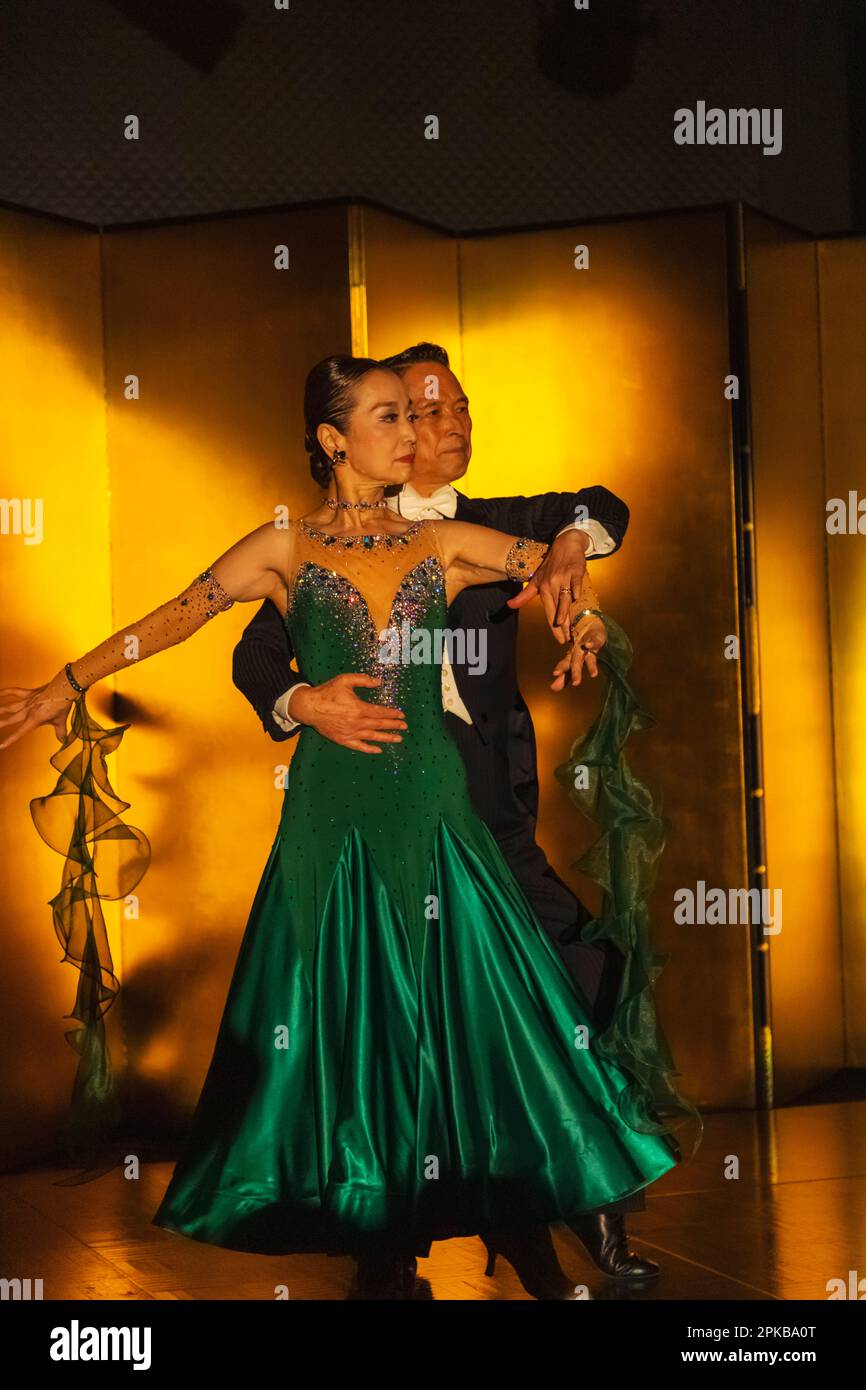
pixel 443 503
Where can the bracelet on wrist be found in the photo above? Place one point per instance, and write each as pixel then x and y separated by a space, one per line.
pixel 72 681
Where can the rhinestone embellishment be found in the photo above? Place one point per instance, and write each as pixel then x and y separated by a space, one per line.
pixel 365 542
pixel 214 594
pixel 524 557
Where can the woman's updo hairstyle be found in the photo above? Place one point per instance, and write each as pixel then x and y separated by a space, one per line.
pixel 329 398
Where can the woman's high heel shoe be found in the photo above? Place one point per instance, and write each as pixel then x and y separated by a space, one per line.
pixel 533 1258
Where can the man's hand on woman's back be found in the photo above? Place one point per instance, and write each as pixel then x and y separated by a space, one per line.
pixel 336 712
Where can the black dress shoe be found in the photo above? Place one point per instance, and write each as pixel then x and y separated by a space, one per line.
pixel 533 1257
pixel 603 1236
pixel 384 1276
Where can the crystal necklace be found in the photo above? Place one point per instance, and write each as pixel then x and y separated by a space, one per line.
pixel 359 506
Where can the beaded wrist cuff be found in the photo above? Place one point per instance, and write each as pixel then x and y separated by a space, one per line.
pixel 524 557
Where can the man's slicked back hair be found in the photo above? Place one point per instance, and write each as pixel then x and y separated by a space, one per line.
pixel 421 352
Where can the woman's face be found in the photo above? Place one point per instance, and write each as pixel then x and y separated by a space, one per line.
pixel 379 441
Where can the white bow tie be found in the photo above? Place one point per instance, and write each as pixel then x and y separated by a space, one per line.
pixel 414 507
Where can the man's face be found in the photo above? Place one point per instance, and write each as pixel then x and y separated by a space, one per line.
pixel 439 411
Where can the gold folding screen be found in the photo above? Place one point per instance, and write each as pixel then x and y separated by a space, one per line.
pixel 613 374
pixel 411 284
pixel 220 340
pixel 842 278
pixel 790 488
pixel 56 594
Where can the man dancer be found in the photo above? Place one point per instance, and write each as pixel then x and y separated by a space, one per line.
pixel 486 714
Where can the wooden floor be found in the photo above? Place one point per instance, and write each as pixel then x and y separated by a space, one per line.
pixel 795 1218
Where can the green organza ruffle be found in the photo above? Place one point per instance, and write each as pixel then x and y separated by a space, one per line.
pixel 623 862
pixel 103 858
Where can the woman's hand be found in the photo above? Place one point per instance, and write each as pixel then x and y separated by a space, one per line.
pixel 590 636
pixel 22 710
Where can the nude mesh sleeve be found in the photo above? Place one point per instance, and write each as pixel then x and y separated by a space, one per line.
pixel 586 601
pixel 167 625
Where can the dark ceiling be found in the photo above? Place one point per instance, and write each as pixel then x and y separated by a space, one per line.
pixel 545 113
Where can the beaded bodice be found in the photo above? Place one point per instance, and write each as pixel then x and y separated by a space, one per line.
pixel 356 602
pixel 344 596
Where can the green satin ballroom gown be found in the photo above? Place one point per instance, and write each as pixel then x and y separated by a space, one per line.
pixel 402 1055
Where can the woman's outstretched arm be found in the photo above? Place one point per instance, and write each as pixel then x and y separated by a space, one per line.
pixel 254 568
pixel 477 555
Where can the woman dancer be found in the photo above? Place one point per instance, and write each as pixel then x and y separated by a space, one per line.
pixel 402 1057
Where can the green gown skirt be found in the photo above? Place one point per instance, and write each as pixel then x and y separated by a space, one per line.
pixel 402 1056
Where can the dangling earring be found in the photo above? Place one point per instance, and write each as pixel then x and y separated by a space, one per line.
pixel 339 457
